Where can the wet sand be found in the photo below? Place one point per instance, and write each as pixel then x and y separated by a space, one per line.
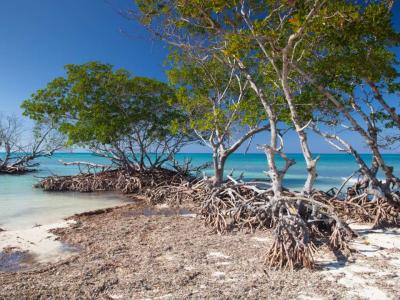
pixel 141 252
pixel 38 241
pixel 14 260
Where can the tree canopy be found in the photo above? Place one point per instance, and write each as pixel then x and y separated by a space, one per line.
pixel 112 112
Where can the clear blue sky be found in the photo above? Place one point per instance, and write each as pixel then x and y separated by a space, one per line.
pixel 38 37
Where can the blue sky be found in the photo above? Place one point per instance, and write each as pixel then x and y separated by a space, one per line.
pixel 37 38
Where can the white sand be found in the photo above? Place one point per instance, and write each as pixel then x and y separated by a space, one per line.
pixel 38 241
pixel 374 271
pixel 217 254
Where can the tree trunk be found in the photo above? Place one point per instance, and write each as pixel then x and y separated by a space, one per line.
pixel 274 174
pixel 369 173
pixel 310 162
pixel 388 170
pixel 219 166
pixel 272 149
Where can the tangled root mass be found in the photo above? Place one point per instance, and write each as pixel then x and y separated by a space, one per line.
pixel 158 185
pixel 300 223
pixel 361 205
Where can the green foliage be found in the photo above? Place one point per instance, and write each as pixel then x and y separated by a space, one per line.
pixel 208 91
pixel 353 45
pixel 95 104
pixel 342 44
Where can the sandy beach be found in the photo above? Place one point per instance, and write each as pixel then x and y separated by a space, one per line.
pixel 141 252
pixel 38 241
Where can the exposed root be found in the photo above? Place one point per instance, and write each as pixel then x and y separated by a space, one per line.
pixel 15 170
pixel 362 205
pixel 292 247
pixel 158 185
pixel 300 223
pixel 339 237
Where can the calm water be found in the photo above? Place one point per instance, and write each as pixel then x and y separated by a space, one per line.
pixel 22 206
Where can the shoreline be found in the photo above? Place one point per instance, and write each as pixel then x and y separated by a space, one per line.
pixel 28 246
pixel 38 241
pixel 145 251
pixel 43 245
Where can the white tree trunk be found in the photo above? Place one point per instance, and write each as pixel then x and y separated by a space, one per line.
pixel 275 175
pixel 219 166
pixel 310 162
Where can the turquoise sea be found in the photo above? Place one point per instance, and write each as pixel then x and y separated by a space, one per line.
pixel 22 206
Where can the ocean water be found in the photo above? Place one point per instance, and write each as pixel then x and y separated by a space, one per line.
pixel 22 206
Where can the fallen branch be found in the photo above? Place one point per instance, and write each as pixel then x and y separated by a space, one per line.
pixel 88 165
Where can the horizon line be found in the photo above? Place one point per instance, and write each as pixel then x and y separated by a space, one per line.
pixel 260 153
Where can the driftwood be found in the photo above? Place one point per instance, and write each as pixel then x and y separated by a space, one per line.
pixel 88 165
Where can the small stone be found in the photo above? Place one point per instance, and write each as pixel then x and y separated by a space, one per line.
pixel 219 275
